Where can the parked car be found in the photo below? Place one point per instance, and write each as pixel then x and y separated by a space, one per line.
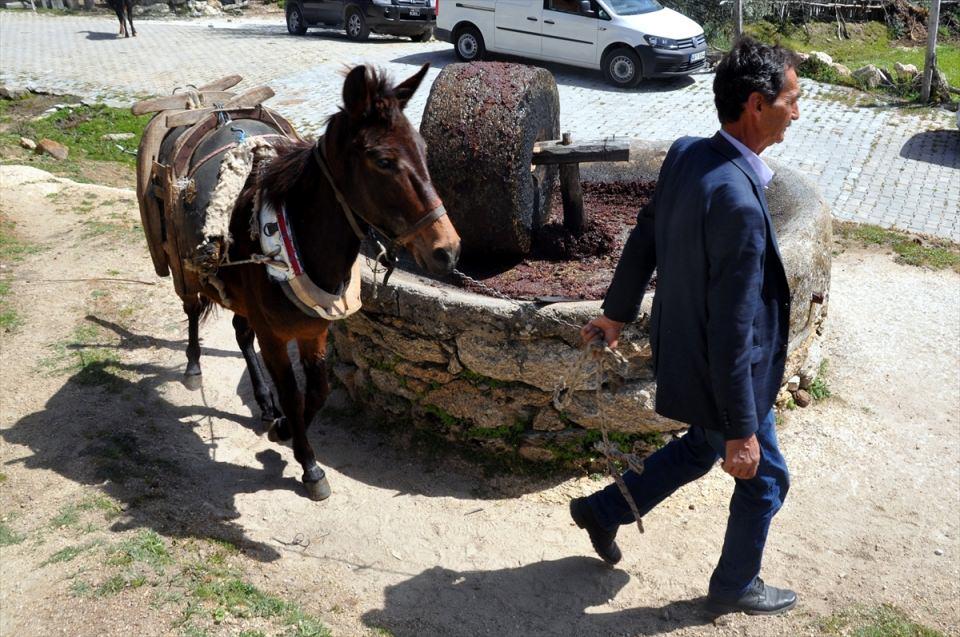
pixel 412 18
pixel 628 40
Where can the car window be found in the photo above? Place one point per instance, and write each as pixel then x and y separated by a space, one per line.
pixel 633 7
pixel 565 6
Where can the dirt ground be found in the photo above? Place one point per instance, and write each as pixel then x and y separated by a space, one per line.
pixel 127 500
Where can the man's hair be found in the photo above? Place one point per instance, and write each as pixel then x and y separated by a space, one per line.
pixel 749 66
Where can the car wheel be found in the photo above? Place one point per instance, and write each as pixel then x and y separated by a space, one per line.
pixel 295 23
pixel 468 45
pixel 356 25
pixel 422 37
pixel 622 67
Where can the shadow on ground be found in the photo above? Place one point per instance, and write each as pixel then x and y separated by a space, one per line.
pixel 110 426
pixel 941 147
pixel 565 75
pixel 537 600
pixel 100 35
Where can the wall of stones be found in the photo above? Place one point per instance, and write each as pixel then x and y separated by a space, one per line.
pixel 482 371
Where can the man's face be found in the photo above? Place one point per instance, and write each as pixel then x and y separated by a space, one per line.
pixel 774 118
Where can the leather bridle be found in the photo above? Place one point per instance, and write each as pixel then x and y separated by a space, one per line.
pixel 387 253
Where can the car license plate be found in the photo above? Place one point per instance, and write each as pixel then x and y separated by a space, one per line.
pixel 696 57
pixel 414 13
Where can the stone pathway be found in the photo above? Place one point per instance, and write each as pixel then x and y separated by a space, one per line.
pixel 891 167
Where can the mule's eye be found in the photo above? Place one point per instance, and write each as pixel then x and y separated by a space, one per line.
pixel 386 164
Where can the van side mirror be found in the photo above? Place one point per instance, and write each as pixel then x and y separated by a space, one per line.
pixel 586 9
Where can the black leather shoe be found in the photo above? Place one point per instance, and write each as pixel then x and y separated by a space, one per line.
pixel 604 542
pixel 759 599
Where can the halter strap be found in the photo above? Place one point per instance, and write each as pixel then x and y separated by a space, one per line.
pixel 435 213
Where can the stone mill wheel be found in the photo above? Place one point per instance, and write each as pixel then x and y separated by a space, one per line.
pixel 480 125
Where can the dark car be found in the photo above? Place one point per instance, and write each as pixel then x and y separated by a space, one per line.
pixel 412 18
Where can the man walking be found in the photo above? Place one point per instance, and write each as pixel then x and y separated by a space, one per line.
pixel 719 324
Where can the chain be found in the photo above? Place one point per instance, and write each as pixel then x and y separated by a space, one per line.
pixel 604 357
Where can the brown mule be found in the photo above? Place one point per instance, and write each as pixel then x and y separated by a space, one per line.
pixel 370 165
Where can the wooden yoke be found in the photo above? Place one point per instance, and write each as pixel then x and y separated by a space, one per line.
pixel 569 156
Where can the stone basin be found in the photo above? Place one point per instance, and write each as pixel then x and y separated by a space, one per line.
pixel 482 371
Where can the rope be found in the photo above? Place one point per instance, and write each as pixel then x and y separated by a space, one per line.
pixel 602 358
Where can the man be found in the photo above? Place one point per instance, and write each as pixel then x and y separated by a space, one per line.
pixel 719 324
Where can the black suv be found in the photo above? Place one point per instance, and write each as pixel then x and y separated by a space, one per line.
pixel 412 18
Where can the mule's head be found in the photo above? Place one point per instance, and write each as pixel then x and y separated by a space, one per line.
pixel 382 162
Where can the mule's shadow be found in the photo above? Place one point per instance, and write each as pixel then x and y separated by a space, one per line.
pixel 941 147
pixel 100 35
pixel 110 426
pixel 564 74
pixel 549 598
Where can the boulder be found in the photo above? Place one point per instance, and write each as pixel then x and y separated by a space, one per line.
pixel 11 93
pixel 821 57
pixel 869 76
pixel 906 71
pixel 28 143
pixel 841 70
pixel 117 137
pixel 52 148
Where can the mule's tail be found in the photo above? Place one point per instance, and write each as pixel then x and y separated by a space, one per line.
pixel 207 308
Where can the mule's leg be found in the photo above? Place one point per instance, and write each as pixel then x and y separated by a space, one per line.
pixel 123 26
pixel 192 377
pixel 269 412
pixel 129 5
pixel 274 352
pixel 313 357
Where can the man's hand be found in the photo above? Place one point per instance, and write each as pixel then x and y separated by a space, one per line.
pixel 601 327
pixel 742 457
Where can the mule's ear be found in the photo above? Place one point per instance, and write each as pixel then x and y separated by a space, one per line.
pixel 405 90
pixel 356 94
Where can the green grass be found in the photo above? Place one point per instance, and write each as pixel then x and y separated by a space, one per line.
pixel 80 354
pixel 69 553
pixel 881 621
pixel 80 129
pixel 12 250
pixel 936 254
pixel 8 537
pixel 145 548
pixel 870 43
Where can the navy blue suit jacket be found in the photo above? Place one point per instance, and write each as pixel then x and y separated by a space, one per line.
pixel 721 311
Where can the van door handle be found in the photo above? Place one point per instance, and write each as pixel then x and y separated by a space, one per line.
pixel 531 19
pixel 549 22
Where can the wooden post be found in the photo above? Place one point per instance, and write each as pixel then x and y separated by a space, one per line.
pixel 571 192
pixel 737 18
pixel 930 64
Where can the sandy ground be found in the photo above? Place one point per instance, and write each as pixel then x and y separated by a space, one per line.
pixel 415 544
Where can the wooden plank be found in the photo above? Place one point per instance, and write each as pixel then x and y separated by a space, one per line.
pixel 571 192
pixel 222 84
pixel 555 152
pixel 179 100
pixel 249 99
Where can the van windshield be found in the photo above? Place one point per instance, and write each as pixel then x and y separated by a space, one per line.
pixel 633 7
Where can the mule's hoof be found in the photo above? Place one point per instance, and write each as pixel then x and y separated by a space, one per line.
pixel 318 490
pixel 193 382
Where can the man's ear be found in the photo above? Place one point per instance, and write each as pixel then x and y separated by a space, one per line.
pixel 755 102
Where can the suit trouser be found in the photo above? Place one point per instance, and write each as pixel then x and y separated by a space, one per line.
pixel 752 506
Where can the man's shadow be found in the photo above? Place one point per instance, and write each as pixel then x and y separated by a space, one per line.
pixel 941 147
pixel 109 426
pixel 100 35
pixel 549 598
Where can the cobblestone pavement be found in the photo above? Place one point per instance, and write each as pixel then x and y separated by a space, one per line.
pixel 891 167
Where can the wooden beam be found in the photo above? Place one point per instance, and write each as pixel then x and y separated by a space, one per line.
pixel 179 100
pixel 555 152
pixel 251 98
pixel 571 192
pixel 223 84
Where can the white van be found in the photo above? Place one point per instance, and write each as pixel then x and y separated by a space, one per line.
pixel 628 40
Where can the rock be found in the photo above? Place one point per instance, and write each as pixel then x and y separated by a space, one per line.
pixel 52 148
pixel 28 143
pixel 488 409
pixel 536 454
pixel 821 57
pixel 159 9
pixel 11 93
pixel 802 57
pixel 628 409
pixel 841 70
pixel 869 76
pixel 117 137
pixel 802 397
pixel 424 373
pixel 906 71
pixel 793 384
pixel 548 419
pixel 938 552
pixel 410 348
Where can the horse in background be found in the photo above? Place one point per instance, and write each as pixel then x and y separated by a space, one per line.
pixel 124 10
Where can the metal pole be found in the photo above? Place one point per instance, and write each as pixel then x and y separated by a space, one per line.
pixel 738 18
pixel 930 64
